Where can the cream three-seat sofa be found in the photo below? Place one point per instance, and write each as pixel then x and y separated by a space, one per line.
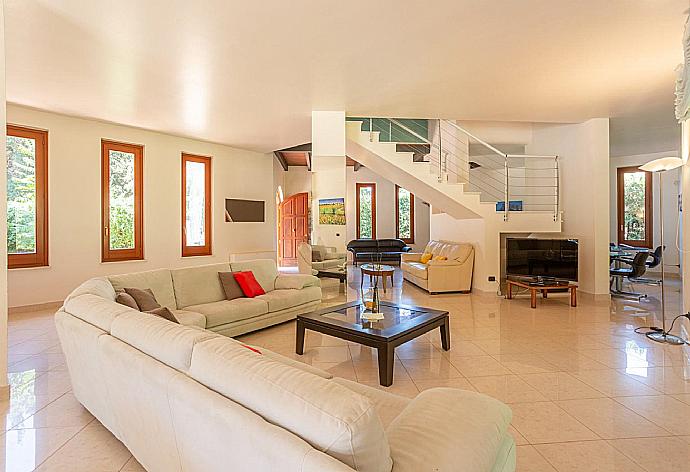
pixel 196 297
pixel 452 274
pixel 184 398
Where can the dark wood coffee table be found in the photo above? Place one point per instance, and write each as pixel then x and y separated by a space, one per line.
pixel 401 323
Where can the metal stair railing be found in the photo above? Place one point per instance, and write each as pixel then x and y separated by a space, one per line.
pixel 533 181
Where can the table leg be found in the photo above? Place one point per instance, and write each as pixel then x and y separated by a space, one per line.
pixel 361 282
pixel 299 344
pixel 383 279
pixel 543 293
pixel 533 297
pixel 510 290
pixel 386 354
pixel 573 296
pixel 445 334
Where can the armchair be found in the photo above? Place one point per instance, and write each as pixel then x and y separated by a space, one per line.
pixel 312 259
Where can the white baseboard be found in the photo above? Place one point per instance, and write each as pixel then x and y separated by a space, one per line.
pixel 14 310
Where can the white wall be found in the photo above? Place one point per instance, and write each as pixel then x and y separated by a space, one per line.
pixel 4 387
pixel 75 203
pixel 385 208
pixel 584 161
pixel 297 180
pixel 671 191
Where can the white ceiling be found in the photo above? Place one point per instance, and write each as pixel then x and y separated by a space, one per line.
pixel 249 73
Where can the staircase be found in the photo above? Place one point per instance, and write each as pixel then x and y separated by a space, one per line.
pixel 432 159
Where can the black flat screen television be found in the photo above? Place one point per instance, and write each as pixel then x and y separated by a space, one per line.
pixel 542 257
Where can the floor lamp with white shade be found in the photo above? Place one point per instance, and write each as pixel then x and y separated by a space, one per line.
pixel 660 166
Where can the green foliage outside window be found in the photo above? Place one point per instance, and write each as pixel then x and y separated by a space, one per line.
pixel 21 195
pixel 365 215
pixel 121 200
pixel 634 204
pixel 404 214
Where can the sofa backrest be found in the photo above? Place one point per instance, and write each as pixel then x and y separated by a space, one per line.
pixel 199 284
pixel 265 271
pixel 450 249
pixel 329 416
pixel 362 245
pixel 391 244
pixel 170 343
pixel 159 281
pixel 375 245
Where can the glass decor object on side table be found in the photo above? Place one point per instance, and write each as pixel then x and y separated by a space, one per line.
pixel 371 301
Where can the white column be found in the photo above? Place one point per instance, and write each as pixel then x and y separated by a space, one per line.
pixel 4 386
pixel 328 173
pixel 684 224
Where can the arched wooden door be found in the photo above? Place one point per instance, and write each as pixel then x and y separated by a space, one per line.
pixel 294 227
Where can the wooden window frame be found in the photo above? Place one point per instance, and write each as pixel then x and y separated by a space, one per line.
pixel 40 257
pixel 409 240
pixel 136 253
pixel 648 208
pixel 373 208
pixel 206 249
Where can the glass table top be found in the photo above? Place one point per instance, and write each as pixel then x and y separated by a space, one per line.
pixel 376 267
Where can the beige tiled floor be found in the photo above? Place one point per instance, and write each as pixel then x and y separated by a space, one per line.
pixel 587 393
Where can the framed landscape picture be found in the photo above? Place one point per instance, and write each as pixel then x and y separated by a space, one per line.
pixel 332 211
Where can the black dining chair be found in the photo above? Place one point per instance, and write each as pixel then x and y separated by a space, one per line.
pixel 636 269
pixel 653 260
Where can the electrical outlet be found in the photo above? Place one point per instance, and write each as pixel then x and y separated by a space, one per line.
pixel 492 278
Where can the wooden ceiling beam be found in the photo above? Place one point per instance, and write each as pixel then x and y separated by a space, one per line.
pixel 301 148
pixel 281 160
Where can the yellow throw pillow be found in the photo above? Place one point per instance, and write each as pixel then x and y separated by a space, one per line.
pixel 440 258
pixel 426 257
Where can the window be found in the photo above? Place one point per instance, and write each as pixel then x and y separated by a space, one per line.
pixel 404 215
pixel 27 197
pixel 366 211
pixel 196 205
pixel 121 196
pixel 634 207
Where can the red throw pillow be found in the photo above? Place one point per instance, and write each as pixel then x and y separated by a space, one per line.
pixel 253 349
pixel 250 287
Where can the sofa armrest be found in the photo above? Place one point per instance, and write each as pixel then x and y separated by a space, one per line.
pixel 448 429
pixel 410 256
pixel 296 281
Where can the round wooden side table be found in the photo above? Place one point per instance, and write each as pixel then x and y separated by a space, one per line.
pixel 376 270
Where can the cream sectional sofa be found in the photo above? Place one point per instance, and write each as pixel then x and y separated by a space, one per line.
pixel 451 275
pixel 196 297
pixel 183 398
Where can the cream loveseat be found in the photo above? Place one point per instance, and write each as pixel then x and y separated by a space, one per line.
pixel 182 398
pixel 451 275
pixel 196 297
